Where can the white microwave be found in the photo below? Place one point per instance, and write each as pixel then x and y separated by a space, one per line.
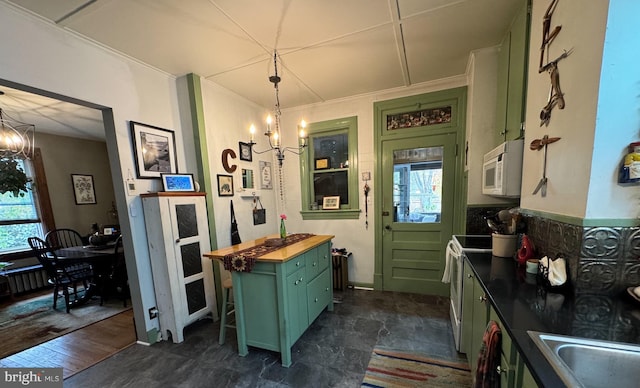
pixel 502 170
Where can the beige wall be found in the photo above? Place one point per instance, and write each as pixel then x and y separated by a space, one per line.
pixel 63 156
pixel 569 160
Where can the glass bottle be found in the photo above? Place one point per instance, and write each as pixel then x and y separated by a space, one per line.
pixel 283 229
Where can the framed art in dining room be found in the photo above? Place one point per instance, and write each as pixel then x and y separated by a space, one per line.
pixel 225 185
pixel 154 150
pixel 83 189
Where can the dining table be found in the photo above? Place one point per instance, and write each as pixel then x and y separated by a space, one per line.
pixel 99 257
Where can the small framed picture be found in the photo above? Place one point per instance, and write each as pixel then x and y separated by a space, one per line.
pixel 323 163
pixel 265 175
pixel 83 189
pixel 331 203
pixel 177 182
pixel 245 151
pixel 225 185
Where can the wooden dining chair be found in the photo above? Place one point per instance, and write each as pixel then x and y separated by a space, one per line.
pixel 63 277
pixel 65 238
pixel 115 280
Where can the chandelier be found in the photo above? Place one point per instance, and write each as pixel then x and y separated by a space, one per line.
pixel 16 138
pixel 273 134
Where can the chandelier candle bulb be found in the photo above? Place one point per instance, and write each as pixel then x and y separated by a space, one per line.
pixel 268 126
pixel 252 130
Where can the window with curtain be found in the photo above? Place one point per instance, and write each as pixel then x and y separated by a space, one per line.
pixel 19 218
pixel 328 168
pixel 26 216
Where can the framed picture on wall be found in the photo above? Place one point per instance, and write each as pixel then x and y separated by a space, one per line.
pixel 265 175
pixel 225 185
pixel 83 189
pixel 245 151
pixel 154 150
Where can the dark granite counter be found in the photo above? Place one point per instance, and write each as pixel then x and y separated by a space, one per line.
pixel 524 305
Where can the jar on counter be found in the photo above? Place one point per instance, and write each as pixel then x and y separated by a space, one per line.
pixel 630 171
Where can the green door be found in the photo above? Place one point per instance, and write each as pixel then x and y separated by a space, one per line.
pixel 418 183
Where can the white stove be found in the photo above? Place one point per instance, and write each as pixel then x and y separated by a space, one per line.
pixel 458 245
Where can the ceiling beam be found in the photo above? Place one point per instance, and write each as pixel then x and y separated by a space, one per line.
pixel 394 9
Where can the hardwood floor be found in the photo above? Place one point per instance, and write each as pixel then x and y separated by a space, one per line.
pixel 79 349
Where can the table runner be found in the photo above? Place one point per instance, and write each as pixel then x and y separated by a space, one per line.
pixel 244 260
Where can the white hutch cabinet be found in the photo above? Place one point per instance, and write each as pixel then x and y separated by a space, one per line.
pixel 178 236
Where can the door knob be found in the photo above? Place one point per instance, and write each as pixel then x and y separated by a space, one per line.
pixel 387 227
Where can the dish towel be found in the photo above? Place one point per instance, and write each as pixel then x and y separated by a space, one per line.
pixel 489 358
pixel 446 276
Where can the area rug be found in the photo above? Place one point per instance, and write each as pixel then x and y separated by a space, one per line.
pixel 389 368
pixel 31 322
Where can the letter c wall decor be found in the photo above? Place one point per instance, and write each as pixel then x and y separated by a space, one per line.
pixel 225 160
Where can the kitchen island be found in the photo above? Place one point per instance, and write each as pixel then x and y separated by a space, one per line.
pixel 281 293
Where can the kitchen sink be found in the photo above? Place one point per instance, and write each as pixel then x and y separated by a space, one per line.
pixel 583 362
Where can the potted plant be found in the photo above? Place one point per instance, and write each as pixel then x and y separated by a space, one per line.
pixel 13 178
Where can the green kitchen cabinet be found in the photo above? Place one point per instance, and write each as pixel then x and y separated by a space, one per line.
pixel 283 294
pixel 297 304
pixel 477 311
pixel 508 355
pixel 512 77
pixel 524 378
pixel 475 316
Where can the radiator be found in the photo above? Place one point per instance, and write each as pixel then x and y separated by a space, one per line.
pixel 340 271
pixel 27 279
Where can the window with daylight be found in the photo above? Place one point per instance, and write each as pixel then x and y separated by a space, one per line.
pixel 21 217
pixel 328 168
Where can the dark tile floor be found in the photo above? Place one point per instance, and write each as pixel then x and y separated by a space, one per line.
pixel 333 352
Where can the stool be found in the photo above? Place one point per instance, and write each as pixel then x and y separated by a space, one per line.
pixel 227 309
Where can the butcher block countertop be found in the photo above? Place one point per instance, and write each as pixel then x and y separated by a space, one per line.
pixel 279 255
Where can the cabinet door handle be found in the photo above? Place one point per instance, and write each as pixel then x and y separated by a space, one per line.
pixel 483 298
pixel 297 264
pixel 297 282
pixel 315 264
pixel 300 280
pixel 316 299
pixel 326 289
pixel 469 275
pixel 500 370
pixel 177 241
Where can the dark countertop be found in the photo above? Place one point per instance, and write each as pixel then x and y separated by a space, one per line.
pixel 524 305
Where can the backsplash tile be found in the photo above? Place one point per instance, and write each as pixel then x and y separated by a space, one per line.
pixel 601 260
pixel 476 222
pixel 602 242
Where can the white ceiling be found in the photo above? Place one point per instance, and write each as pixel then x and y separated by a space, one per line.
pixel 327 49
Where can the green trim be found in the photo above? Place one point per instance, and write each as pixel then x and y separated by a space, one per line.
pixel 589 222
pixel 153 336
pixel 196 109
pixel 327 128
pixel 457 99
pixel 331 214
pixel 611 222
